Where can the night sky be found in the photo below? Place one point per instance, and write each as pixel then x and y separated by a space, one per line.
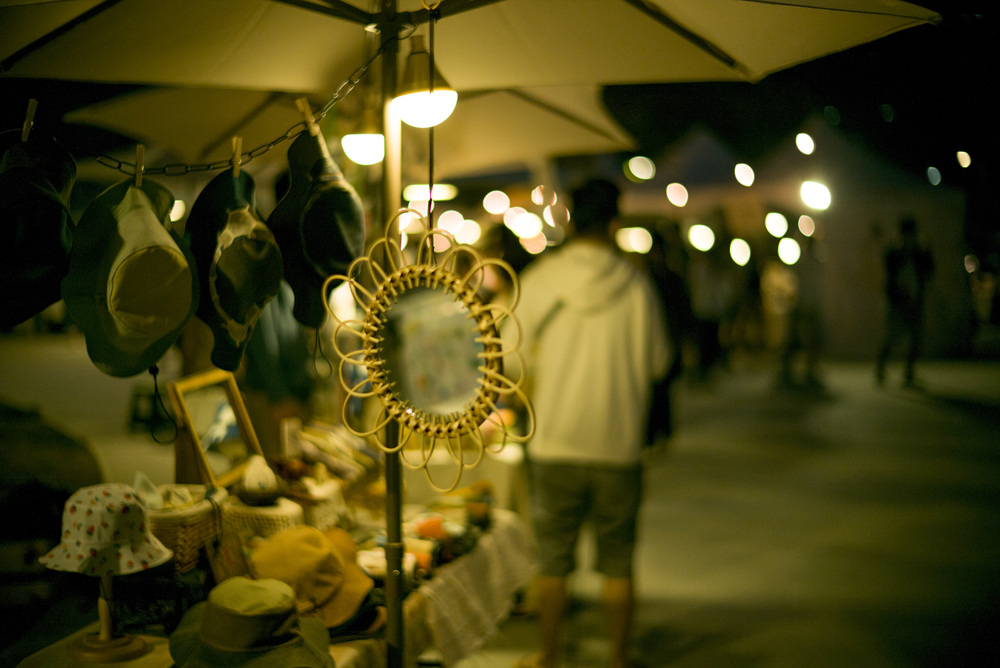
pixel 915 97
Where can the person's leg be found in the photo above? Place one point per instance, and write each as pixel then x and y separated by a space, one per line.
pixel 615 518
pixel 552 601
pixel 559 504
pixel 619 599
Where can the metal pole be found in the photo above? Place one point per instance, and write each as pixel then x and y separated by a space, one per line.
pixel 391 186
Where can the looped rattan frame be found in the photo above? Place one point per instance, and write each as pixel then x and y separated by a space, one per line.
pixel 377 281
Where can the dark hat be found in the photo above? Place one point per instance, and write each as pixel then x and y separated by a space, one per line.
pixel 238 261
pixel 319 225
pixel 36 177
pixel 595 204
pixel 251 624
pixel 131 286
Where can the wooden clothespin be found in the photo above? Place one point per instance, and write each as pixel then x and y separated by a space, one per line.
pixel 29 119
pixel 140 155
pixel 237 155
pixel 303 105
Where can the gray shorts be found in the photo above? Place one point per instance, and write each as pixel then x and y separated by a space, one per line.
pixel 565 496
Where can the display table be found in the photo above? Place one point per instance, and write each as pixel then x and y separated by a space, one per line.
pixel 454 612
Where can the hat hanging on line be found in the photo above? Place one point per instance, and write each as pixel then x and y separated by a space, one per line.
pixel 238 262
pixel 326 584
pixel 251 624
pixel 131 285
pixel 36 176
pixel 319 225
pixel 105 532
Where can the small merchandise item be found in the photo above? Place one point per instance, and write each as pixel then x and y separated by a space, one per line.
pixel 105 532
pixel 327 584
pixel 319 225
pixel 36 177
pixel 249 624
pixel 131 286
pixel 238 260
pixel 259 485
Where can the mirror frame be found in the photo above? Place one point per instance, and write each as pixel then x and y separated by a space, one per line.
pixel 213 377
pixel 414 418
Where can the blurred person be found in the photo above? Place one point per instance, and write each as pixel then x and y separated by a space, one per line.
pixel 806 332
pixel 714 299
pixel 908 268
pixel 595 341
pixel 668 272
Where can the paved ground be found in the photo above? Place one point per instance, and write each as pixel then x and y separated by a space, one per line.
pixel 857 526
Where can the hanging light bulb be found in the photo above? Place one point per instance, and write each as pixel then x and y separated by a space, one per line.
pixel 418 102
pixel 367 145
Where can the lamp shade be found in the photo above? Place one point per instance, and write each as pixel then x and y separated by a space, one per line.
pixel 421 101
pixel 367 145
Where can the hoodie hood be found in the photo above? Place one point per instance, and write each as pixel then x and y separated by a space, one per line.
pixel 591 275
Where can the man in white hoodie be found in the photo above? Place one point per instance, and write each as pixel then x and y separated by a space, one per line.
pixel 595 340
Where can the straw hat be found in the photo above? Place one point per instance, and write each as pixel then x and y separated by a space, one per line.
pixel 131 285
pixel 238 261
pixel 326 584
pixel 251 624
pixel 105 532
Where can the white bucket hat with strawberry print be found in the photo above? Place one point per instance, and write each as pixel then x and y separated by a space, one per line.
pixel 105 532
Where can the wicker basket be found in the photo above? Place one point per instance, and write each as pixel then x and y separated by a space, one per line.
pixel 248 522
pixel 187 530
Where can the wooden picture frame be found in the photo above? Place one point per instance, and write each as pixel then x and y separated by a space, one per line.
pixel 196 398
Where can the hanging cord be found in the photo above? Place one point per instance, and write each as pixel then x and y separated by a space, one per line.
pixel 158 404
pixel 435 14
pixel 319 353
pixel 182 168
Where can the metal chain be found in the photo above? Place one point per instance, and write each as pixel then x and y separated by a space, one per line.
pixel 182 168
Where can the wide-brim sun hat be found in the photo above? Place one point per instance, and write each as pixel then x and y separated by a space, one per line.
pixel 327 585
pixel 238 261
pixel 319 225
pixel 105 531
pixel 131 286
pixel 36 231
pixel 249 623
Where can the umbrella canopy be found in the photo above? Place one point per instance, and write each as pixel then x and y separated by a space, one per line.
pixel 310 45
pixel 489 130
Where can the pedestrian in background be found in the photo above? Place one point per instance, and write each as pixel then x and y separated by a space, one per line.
pixel 595 341
pixel 908 268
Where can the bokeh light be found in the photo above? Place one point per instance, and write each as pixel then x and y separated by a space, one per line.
pixel 677 194
pixel 964 159
pixel 701 237
pixel 469 232
pixel 744 174
pixel 739 251
pixel 640 167
pixel 804 142
pixel 634 239
pixel 934 176
pixel 807 226
pixel 450 221
pixel 556 215
pixel 496 202
pixel 776 224
pixel 442 192
pixel 522 223
pixel 789 251
pixel 543 196
pixel 971 263
pixel 535 244
pixel 815 195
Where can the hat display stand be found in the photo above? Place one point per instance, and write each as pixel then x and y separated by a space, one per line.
pixel 106 533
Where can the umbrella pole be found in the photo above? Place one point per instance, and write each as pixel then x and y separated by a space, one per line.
pixel 391 185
